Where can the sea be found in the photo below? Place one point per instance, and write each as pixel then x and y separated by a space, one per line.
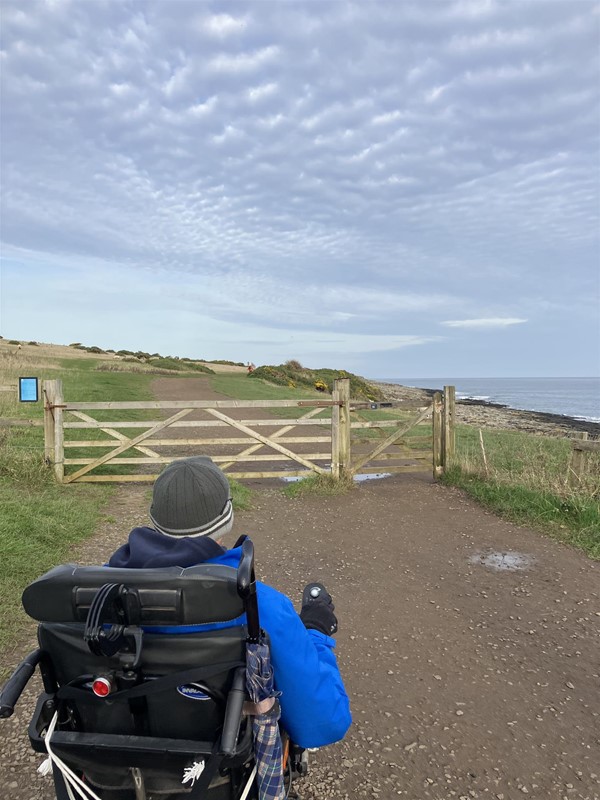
pixel 572 397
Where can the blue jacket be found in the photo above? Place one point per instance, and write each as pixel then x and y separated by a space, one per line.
pixel 315 709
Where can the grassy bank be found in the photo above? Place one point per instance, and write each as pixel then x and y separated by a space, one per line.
pixel 245 387
pixel 524 477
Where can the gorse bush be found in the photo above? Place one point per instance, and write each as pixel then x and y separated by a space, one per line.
pixel 293 374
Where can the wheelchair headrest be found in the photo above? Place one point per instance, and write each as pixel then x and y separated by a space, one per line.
pixel 167 596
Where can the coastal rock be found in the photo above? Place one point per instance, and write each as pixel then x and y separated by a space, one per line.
pixel 493 415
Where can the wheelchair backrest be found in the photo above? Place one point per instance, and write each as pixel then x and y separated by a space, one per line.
pixel 192 619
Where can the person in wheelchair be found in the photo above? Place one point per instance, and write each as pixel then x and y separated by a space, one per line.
pixel 147 662
pixel 191 513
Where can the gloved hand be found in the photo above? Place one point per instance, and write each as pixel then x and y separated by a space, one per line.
pixel 317 610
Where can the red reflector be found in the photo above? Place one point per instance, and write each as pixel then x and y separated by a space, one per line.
pixel 102 687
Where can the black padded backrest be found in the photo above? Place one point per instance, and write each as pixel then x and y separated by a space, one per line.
pixel 168 596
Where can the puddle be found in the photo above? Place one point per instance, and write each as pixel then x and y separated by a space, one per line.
pixel 375 476
pixel 510 561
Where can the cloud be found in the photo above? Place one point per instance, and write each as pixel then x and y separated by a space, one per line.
pixel 340 169
pixel 486 322
pixel 244 62
pixel 223 25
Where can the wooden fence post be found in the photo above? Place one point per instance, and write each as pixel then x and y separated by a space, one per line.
pixel 340 429
pixel 578 461
pixel 448 425
pixel 53 427
pixel 436 425
pixel 48 395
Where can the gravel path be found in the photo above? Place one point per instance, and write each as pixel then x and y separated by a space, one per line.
pixel 466 681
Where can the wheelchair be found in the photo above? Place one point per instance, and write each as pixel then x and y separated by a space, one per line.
pixel 144 682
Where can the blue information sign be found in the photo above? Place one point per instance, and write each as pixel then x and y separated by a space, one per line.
pixel 28 390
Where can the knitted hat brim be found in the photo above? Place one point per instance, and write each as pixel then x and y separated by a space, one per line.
pixel 213 529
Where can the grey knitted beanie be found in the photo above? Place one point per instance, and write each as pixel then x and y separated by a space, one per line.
pixel 191 497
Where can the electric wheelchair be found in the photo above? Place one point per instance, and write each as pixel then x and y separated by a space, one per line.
pixel 144 682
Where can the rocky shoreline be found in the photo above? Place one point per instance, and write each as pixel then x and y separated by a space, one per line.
pixel 493 415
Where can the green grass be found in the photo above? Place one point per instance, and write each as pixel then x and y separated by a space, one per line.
pixel 242 387
pixel 575 519
pixel 241 495
pixel 38 527
pixel 323 485
pixel 515 457
pixel 526 480
pixel 180 366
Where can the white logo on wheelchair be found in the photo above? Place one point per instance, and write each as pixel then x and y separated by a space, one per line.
pixel 192 692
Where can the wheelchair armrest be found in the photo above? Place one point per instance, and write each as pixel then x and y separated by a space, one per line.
pixel 17 682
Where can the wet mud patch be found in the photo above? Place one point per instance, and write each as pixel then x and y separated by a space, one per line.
pixel 508 561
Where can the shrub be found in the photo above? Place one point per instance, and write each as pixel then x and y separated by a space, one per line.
pixel 285 375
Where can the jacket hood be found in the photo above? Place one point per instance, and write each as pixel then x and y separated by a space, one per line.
pixel 147 548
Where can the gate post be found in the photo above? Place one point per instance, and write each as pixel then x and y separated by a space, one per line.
pixel 340 428
pixel 48 395
pixel 53 427
pixel 448 442
pixel 436 425
pixel 578 460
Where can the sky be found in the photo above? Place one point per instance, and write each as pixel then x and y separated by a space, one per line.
pixel 393 188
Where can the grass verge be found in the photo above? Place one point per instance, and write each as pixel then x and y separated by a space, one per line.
pixel 241 495
pixel 39 526
pixel 574 520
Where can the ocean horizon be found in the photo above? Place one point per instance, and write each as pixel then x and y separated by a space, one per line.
pixel 578 398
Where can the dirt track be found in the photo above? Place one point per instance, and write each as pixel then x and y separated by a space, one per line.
pixel 465 681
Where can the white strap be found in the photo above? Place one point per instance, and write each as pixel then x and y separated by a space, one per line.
pixel 248 786
pixel 72 781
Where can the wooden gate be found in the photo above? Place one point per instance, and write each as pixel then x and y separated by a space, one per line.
pixel 134 437
pixel 151 442
pixel 420 441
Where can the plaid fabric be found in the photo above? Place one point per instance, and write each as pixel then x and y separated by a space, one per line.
pixel 268 755
pixel 265 727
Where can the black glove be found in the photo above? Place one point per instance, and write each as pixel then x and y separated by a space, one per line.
pixel 317 610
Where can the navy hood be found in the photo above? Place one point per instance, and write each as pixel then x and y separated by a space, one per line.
pixel 147 548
